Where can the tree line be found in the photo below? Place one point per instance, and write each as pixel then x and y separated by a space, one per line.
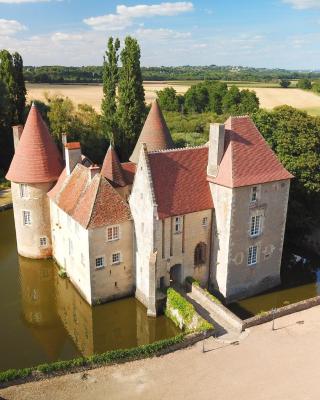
pixel 94 74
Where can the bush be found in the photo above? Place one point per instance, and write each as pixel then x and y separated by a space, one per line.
pixel 304 84
pixel 285 83
pixel 109 357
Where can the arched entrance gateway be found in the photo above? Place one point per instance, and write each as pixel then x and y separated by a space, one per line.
pixel 176 275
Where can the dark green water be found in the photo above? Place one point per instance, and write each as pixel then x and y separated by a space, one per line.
pixel 300 281
pixel 43 318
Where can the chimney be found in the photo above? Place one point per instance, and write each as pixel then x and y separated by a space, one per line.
pixel 64 141
pixel 93 171
pixel 17 132
pixel 73 155
pixel 216 148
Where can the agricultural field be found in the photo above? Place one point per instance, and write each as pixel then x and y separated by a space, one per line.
pixel 269 95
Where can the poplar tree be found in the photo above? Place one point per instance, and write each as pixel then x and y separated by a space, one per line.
pixel 131 106
pixel 7 76
pixel 110 82
pixel 20 88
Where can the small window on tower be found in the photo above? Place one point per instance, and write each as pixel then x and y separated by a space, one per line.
pixel 205 222
pixel 178 224
pixel 26 217
pixel 43 241
pixel 23 191
pixel 254 194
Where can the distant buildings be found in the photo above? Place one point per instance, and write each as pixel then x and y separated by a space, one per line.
pixel 215 212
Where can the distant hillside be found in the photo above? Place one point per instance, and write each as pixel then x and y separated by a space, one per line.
pixel 93 74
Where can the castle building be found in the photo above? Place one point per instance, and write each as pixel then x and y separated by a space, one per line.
pixel 215 212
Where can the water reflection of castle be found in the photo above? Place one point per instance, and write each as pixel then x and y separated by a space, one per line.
pixel 53 310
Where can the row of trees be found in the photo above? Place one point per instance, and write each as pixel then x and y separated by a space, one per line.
pixel 93 74
pixel 12 102
pixel 123 105
pixel 210 96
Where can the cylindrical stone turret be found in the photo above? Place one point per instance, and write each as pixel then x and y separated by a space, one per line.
pixel 34 169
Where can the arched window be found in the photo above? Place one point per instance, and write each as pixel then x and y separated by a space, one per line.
pixel 200 254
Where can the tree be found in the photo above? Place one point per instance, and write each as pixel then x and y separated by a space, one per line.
pixel 7 76
pixel 20 87
pixel 304 84
pixel 168 99
pixel 131 107
pixel 5 128
pixel 285 83
pixel 295 137
pixel 110 82
pixel 231 101
pixel 217 92
pixel 249 102
pixel 196 99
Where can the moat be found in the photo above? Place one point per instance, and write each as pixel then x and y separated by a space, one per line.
pixel 43 318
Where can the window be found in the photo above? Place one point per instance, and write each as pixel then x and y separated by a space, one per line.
pixel 26 217
pixel 43 241
pixel 99 262
pixel 252 255
pixel 113 233
pixel 205 222
pixel 178 224
pixel 116 257
pixel 200 254
pixel 255 227
pixel 70 247
pixel 23 190
pixel 254 194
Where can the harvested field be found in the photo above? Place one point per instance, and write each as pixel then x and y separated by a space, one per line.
pixel 92 94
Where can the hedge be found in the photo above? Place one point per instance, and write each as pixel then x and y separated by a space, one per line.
pixel 95 360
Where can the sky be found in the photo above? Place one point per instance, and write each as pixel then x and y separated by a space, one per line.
pixel 256 33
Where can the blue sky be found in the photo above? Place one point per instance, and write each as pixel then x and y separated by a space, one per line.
pixel 259 33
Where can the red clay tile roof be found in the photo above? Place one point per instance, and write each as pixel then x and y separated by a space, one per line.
pixel 73 145
pixel 129 171
pixel 248 159
pixel 180 181
pixel 155 133
pixel 112 169
pixel 93 203
pixel 37 158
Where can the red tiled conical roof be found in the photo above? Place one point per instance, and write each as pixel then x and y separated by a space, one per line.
pixel 112 169
pixel 37 158
pixel 155 133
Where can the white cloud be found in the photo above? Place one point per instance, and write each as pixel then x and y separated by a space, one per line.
pixel 161 33
pixel 125 15
pixel 62 37
pixel 303 4
pixel 9 27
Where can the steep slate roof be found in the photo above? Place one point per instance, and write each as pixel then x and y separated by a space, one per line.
pixel 37 158
pixel 180 181
pixel 248 159
pixel 112 169
pixel 155 133
pixel 93 203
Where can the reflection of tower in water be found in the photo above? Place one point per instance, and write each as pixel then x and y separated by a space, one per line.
pixel 39 305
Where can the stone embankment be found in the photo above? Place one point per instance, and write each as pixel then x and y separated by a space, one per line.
pixel 5 200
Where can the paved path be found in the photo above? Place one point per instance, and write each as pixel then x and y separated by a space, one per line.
pixel 278 365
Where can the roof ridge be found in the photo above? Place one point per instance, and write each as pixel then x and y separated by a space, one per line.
pixel 177 149
pixel 146 156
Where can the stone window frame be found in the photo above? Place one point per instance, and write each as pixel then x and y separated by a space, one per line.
pixel 256 224
pixel 205 222
pixel 178 224
pixel 26 218
pixel 43 241
pixel 24 191
pixel 200 254
pixel 113 237
pixel 118 260
pixel 252 258
pixel 100 262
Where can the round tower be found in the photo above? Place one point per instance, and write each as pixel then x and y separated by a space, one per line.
pixel 34 169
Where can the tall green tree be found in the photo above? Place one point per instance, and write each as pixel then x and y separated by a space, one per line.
pixel 20 88
pixel 131 107
pixel 110 82
pixel 7 76
pixel 168 99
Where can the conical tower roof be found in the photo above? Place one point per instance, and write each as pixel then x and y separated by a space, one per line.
pixel 37 158
pixel 112 169
pixel 155 133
